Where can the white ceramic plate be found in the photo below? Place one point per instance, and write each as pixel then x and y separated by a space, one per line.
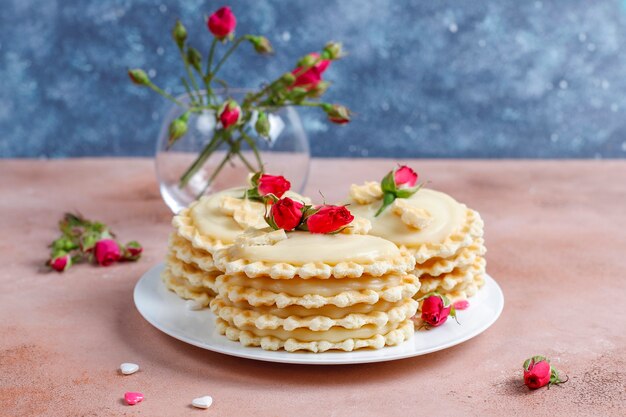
pixel 168 313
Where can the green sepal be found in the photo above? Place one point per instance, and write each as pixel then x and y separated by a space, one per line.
pixel 534 359
pixel 408 192
pixel 388 198
pixel 388 184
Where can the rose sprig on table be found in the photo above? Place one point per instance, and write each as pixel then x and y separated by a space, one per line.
pixel 84 240
pixel 302 86
pixel 538 373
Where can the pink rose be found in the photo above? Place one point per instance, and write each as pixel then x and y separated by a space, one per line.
pixel 230 114
pixel 310 78
pixel 107 251
pixel 405 177
pixel 434 311
pixel 537 372
pixel 60 263
pixel 329 219
pixel 222 23
pixel 273 184
pixel 286 214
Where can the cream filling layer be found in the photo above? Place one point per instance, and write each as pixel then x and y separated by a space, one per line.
pixel 210 220
pixel 334 334
pixel 302 247
pixel 299 287
pixel 331 311
pixel 447 214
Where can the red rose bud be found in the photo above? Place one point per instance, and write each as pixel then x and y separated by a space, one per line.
pixel 273 184
pixel 329 219
pixel 177 129
pixel 285 214
pixel 261 44
pixel 60 263
pixel 537 372
pixel 132 251
pixel 405 177
pixel 338 114
pixel 138 76
pixel 107 252
pixel 309 71
pixel 230 114
pixel 434 310
pixel 179 34
pixel 222 23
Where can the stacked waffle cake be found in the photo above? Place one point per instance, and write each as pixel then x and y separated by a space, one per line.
pixel 444 236
pixel 209 224
pixel 314 292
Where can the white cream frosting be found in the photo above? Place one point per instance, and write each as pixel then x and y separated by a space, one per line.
pixel 302 247
pixel 222 218
pixel 448 216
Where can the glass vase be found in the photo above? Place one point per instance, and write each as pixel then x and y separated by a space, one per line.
pixel 286 152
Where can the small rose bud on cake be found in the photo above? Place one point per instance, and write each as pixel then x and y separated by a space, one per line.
pixel 405 177
pixel 263 186
pixel 329 219
pixel 222 23
pixel 285 214
pixel 538 373
pixel 107 251
pixel 398 183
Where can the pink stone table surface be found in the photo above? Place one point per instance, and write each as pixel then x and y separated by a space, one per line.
pixel 556 235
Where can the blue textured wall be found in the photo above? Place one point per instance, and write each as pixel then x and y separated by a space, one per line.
pixel 505 78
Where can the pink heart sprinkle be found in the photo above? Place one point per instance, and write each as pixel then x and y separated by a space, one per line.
pixel 461 305
pixel 133 398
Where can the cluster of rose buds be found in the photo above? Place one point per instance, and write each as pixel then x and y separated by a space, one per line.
pixel 83 239
pixel 538 373
pixel 302 86
pixel 288 214
pixel 398 183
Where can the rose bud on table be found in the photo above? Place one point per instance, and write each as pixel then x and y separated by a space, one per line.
pixel 538 373
pixel 106 252
pixel 61 263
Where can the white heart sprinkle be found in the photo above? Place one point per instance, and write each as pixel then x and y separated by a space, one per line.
pixel 129 368
pixel 194 305
pixel 202 402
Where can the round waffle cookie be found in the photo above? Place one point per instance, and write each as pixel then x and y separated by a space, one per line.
pixel 303 291
pixel 185 289
pixel 467 279
pixel 444 236
pixel 214 222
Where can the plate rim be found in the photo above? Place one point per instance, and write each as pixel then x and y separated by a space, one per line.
pixel 310 359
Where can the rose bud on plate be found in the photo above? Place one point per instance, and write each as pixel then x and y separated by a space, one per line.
pixel 285 214
pixel 538 373
pixel 106 252
pixel 329 219
pixel 222 23
pixel 436 309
